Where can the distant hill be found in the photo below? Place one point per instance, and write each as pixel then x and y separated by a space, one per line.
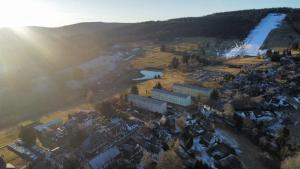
pixel 55 48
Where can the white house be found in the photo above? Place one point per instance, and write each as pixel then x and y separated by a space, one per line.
pixel 171 97
pixel 148 103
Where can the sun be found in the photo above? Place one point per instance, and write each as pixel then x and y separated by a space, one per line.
pixel 18 13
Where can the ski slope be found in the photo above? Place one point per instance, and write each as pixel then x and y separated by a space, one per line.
pixel 251 45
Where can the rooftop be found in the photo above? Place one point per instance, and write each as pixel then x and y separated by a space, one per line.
pixel 170 93
pixel 146 99
pixel 102 159
pixel 193 87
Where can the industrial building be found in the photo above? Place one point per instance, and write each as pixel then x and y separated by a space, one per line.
pixel 171 97
pixel 148 103
pixel 192 90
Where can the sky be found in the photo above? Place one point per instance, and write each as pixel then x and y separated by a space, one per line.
pixel 54 13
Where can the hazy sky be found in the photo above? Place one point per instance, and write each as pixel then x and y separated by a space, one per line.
pixel 61 12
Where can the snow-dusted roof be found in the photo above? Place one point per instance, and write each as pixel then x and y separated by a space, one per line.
pixel 102 159
pixel 202 89
pixel 146 99
pixel 43 127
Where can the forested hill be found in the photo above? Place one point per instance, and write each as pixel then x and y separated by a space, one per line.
pixel 85 40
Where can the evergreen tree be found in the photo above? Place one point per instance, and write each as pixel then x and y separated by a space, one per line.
pixel 185 59
pixel 214 95
pixel 158 86
pixel 27 135
pixel 175 63
pixel 162 48
pixel 134 90
pixel 269 53
pixel 295 46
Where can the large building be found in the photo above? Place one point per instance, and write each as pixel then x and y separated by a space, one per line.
pixel 104 159
pixel 148 103
pixel 192 90
pixel 171 97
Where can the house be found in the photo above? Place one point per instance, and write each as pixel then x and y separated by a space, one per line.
pixel 192 90
pixel 32 153
pixel 171 97
pixel 51 124
pixel 104 159
pixel 148 103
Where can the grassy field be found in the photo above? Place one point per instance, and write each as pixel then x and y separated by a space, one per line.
pixel 244 61
pixel 292 162
pixel 153 58
pixel 11 134
pixel 223 69
pixel 170 77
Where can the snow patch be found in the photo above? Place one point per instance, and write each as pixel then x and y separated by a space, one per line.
pixel 252 44
pixel 148 74
pixel 227 139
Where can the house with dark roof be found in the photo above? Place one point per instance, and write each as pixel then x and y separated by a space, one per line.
pixel 171 97
pixel 104 159
pixel 192 90
pixel 148 103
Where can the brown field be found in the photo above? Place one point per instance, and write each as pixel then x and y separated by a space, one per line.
pixel 170 77
pixel 244 61
pixel 153 58
pixel 224 69
pixel 291 162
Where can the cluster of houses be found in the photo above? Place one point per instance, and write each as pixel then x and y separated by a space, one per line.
pixel 180 95
pixel 268 121
pixel 204 146
pixel 88 141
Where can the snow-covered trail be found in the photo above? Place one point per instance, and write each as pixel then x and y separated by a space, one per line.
pixel 251 45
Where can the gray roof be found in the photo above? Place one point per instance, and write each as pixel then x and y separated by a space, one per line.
pixel 146 99
pixel 102 159
pixel 42 127
pixel 170 93
pixel 204 89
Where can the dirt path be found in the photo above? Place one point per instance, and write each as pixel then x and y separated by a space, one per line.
pixel 250 153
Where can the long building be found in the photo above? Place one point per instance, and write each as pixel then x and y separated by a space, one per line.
pixel 104 159
pixel 148 103
pixel 192 90
pixel 171 97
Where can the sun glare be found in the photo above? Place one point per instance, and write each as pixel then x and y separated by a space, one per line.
pixel 17 13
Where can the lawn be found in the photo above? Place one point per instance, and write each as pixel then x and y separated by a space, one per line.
pixel 244 61
pixel 223 69
pixel 170 77
pixel 153 58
